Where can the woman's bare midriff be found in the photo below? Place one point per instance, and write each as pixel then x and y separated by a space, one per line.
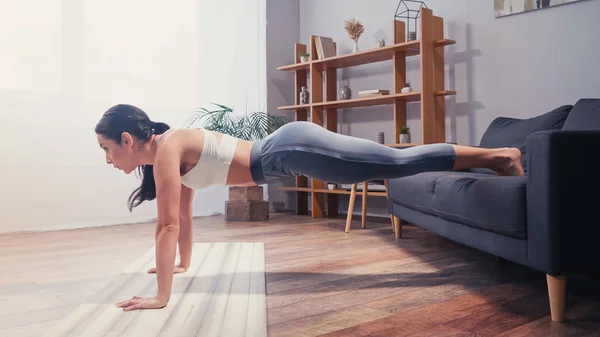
pixel 239 170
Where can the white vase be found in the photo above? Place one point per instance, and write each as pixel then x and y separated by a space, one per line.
pixel 355 48
pixel 405 90
pixel 303 59
pixel 405 138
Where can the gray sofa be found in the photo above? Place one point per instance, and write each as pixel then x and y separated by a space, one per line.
pixel 547 220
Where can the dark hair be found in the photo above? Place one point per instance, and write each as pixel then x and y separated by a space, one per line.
pixel 127 118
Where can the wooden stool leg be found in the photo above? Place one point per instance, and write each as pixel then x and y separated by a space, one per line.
pixel 398 227
pixel 350 207
pixel 364 206
pixel 385 183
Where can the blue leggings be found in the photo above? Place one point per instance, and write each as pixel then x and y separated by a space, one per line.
pixel 307 149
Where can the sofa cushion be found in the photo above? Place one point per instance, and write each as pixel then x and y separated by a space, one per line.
pixel 485 201
pixel 415 191
pixel 513 132
pixel 585 115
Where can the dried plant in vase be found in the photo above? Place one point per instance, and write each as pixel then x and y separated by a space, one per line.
pixel 355 30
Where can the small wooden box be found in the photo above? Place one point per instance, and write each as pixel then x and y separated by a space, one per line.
pixel 246 211
pixel 245 193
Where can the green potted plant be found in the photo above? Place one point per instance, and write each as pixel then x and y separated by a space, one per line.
pixel 406 88
pixel 245 203
pixel 405 134
pixel 304 57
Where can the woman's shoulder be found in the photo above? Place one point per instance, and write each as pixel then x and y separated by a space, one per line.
pixel 178 135
pixel 181 140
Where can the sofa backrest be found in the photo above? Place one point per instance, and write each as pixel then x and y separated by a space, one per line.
pixel 585 115
pixel 513 132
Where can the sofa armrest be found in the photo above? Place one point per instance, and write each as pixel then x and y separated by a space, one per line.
pixel 563 201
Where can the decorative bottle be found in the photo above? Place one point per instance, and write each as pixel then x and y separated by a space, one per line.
pixel 304 96
pixel 345 92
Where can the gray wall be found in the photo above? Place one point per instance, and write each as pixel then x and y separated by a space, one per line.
pixel 522 65
pixel 282 33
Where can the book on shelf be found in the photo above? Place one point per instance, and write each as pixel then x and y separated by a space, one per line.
pixel 373 92
pixel 324 47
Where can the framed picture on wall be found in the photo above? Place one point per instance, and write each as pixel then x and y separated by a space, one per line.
pixel 510 7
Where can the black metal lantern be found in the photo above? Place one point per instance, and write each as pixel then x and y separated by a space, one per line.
pixel 410 11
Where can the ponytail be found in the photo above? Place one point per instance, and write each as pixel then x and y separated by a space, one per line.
pixel 147 190
pixel 158 128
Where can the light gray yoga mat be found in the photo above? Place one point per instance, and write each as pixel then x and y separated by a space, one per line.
pixel 222 294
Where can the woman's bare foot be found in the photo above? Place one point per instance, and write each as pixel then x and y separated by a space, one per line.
pixel 504 161
pixel 510 162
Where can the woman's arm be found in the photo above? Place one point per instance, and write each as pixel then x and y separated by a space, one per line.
pixel 168 194
pixel 186 237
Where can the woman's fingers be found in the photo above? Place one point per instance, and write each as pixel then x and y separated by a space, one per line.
pixel 147 303
pixel 133 307
pixel 125 303
pixel 132 301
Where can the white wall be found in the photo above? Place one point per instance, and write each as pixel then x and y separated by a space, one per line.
pixel 64 64
pixel 232 54
pixel 231 61
pixel 522 65
pixel 282 33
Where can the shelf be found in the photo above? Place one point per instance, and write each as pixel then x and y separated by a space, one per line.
pixel 370 101
pixel 366 101
pixel 443 42
pixel 445 93
pixel 328 191
pixel 294 107
pixel 369 56
pixel 379 54
pixel 295 67
pixel 296 189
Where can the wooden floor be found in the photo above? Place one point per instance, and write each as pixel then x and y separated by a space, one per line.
pixel 320 280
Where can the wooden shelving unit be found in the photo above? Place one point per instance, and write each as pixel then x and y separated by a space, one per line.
pixel 324 102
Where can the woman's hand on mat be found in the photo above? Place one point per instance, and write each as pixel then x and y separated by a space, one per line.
pixel 176 270
pixel 137 302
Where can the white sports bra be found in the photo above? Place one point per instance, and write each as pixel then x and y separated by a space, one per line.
pixel 213 166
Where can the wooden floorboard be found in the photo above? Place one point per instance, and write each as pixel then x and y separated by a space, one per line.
pixel 320 281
